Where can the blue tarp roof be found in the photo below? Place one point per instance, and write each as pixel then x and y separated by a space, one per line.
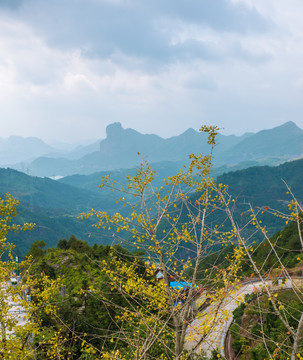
pixel 179 285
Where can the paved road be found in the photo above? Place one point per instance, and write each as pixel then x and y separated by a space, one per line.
pixel 218 317
pixel 16 312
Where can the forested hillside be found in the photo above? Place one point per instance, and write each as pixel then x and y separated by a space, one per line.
pixel 53 207
pixel 264 185
pixel 82 312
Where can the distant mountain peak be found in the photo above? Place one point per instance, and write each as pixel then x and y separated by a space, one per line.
pixel 289 125
pixel 189 131
pixel 283 130
pixel 114 129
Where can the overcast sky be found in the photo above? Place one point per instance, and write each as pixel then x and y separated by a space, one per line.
pixel 68 68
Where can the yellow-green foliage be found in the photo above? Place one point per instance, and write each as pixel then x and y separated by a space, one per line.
pixel 162 222
pixel 16 337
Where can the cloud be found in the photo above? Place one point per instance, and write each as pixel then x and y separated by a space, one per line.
pixel 101 28
pixel 11 4
pixel 221 15
pixel 67 69
pixel 74 82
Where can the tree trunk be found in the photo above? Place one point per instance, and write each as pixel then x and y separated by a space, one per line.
pixel 297 339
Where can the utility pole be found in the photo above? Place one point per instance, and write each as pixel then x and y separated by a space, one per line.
pixel 17 261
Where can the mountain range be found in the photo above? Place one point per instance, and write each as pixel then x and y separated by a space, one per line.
pixel 55 205
pixel 16 149
pixel 120 148
pixel 22 151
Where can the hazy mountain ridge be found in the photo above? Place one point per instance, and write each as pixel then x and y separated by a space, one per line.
pixel 18 152
pixel 120 148
pixel 284 142
pixel 16 149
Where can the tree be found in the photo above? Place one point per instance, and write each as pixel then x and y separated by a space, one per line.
pixel 274 270
pixel 36 249
pixel 10 346
pixel 178 226
pixel 19 322
pixel 165 224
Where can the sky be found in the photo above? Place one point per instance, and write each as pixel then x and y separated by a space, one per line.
pixel 68 68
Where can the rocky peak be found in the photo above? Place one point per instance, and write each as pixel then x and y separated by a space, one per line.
pixel 114 129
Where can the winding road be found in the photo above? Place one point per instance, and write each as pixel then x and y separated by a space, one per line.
pixel 16 312
pixel 219 316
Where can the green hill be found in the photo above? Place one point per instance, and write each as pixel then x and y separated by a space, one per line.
pixel 264 186
pixel 53 207
pixel 91 182
pixel 49 194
